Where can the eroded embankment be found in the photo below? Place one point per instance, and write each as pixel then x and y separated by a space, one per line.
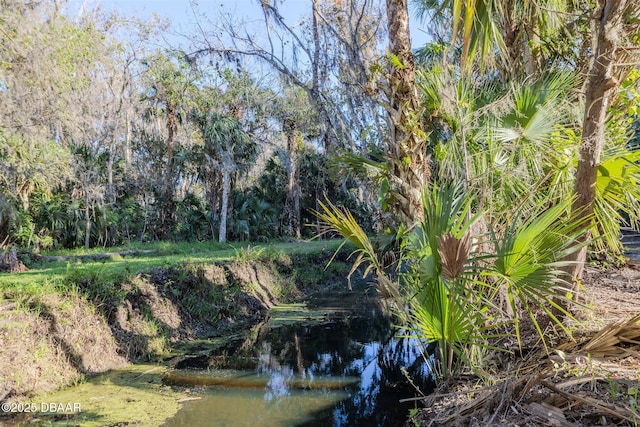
pixel 93 324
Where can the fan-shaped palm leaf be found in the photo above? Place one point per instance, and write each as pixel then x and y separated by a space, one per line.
pixel 528 263
pixel 442 307
pixel 617 191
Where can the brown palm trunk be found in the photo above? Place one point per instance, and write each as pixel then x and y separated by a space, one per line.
pixel 213 185
pixel 409 162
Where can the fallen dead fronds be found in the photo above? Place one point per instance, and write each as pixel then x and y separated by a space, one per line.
pixel 617 339
pixel 575 399
pixel 579 388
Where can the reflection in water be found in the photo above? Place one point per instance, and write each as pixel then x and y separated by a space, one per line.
pixel 348 371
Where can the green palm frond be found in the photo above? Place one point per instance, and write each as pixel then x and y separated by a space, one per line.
pixel 441 305
pixel 360 166
pixel 617 192
pixel 341 221
pixel 528 263
pixel 538 108
pixel 480 31
pixel 439 313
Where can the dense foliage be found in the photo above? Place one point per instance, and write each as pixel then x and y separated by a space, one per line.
pixel 486 163
pixel 125 141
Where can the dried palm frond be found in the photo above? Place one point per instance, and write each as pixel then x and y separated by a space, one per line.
pixel 607 342
pixel 454 253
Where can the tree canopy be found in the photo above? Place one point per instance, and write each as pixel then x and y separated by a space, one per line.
pixel 106 133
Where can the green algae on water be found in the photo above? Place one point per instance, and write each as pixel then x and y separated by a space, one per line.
pixel 132 395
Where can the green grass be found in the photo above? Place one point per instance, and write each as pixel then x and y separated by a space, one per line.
pixel 47 273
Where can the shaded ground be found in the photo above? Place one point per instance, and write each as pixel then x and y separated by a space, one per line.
pixel 592 381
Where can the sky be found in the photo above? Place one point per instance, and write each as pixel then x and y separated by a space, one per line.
pixel 181 15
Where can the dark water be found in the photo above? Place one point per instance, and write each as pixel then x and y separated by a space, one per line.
pixel 342 366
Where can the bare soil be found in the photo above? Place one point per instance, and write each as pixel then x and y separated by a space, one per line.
pixel 592 380
pixel 50 343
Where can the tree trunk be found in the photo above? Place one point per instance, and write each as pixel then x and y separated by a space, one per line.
pixel 409 162
pixel 511 33
pixel 292 204
pixel 167 206
pixel 226 178
pixel 127 143
pixel 601 85
pixel 213 177
pixel 87 218
pixel 315 98
pixel 111 193
pixel 10 263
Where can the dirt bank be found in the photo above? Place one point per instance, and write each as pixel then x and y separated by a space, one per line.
pixel 93 324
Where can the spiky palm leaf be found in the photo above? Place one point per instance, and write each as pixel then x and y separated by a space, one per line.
pixel 528 264
pixel 617 192
pixel 440 311
pixel 334 219
pixel 441 306
pixel 480 24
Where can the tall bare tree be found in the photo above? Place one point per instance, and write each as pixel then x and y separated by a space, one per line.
pixel 327 56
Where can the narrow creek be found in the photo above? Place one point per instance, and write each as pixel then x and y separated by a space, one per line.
pixel 335 361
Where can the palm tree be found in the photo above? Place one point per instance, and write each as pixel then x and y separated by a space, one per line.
pixel 229 150
pixel 298 120
pixel 517 30
pixel 170 84
pixel 449 289
pixel 505 144
pixel 511 28
pixel 408 159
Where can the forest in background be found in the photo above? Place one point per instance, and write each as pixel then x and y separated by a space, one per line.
pixel 107 136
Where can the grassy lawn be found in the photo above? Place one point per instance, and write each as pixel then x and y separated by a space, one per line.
pixel 42 274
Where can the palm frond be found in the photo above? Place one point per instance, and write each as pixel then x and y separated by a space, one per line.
pixel 341 221
pixel 360 166
pixel 617 191
pixel 529 259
